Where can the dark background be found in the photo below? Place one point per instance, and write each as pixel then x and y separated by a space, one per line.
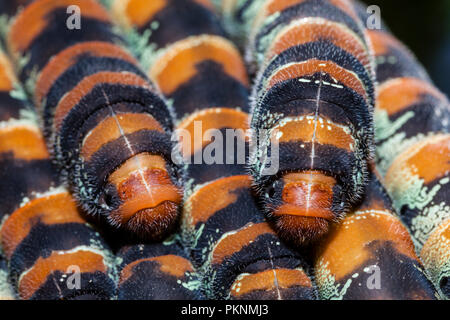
pixel 424 26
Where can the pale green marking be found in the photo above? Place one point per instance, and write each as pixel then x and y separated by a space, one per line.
pixel 6 291
pixel 5 25
pixel 384 127
pixel 390 149
pixel 427 221
pixel 413 193
pixel 328 288
pixel 267 40
pixel 107 3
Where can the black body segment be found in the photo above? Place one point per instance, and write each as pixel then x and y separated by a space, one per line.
pixel 157 272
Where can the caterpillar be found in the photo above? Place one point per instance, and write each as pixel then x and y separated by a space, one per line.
pixel 412 120
pixel 106 126
pixel 370 255
pixel 312 100
pixel 44 237
pixel 233 248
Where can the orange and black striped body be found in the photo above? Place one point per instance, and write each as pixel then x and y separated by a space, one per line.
pixel 233 248
pixel 370 255
pixel 106 126
pixel 43 234
pixel 312 101
pixel 412 122
pixel 200 72
pixel 238 253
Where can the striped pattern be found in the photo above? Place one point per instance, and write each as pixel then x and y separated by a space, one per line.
pixel 370 255
pixel 43 234
pixel 313 99
pixel 105 124
pixel 412 139
pixel 412 120
pixel 234 250
pixel 158 271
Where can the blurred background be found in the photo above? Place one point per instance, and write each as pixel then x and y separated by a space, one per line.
pixel 424 26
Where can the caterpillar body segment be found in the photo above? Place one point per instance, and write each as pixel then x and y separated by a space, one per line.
pixel 44 237
pixel 370 255
pixel 232 247
pixel 48 243
pixel 41 30
pixel 204 77
pixel 313 96
pixel 195 67
pixel 251 262
pixel 162 19
pixel 106 125
pixel 236 250
pixel 159 271
pixel 418 181
pixel 412 120
pixel 24 165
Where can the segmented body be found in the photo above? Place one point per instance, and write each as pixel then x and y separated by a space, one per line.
pixel 233 248
pixel 313 96
pixel 105 125
pixel 226 248
pixel 282 35
pixel 412 119
pixel 43 235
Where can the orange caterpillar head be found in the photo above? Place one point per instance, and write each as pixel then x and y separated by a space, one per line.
pixel 302 205
pixel 141 197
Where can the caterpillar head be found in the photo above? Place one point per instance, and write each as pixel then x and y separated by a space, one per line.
pixel 302 205
pixel 142 197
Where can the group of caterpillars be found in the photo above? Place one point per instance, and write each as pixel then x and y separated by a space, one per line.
pixel 89 185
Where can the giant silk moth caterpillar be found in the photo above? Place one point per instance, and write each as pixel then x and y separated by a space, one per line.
pixel 225 248
pixel 412 120
pixel 313 95
pixel 235 251
pixel 43 235
pixel 105 125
